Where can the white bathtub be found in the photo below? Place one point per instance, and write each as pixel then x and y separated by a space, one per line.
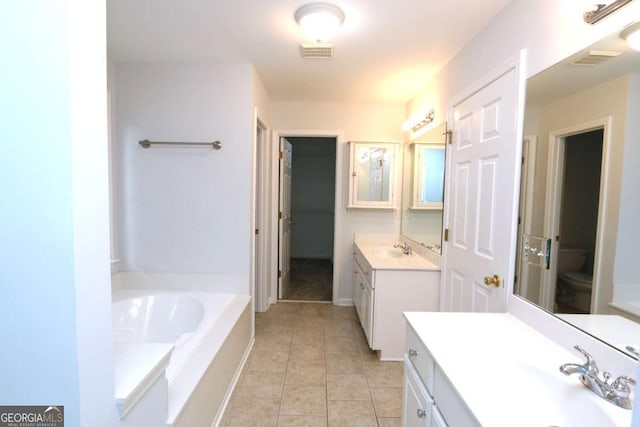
pixel 211 334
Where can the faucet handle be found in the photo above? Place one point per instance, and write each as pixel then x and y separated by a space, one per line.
pixel 590 364
pixel 622 384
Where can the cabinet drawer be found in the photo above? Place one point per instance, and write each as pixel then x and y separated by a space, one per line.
pixel 450 404
pixel 366 269
pixel 420 358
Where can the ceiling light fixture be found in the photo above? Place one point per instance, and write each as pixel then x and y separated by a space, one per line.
pixel 632 36
pixel 602 9
pixel 419 121
pixel 319 21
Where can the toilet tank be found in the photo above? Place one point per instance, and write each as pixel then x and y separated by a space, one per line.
pixel 570 259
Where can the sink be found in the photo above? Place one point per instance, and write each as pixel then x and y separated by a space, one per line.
pixel 564 401
pixel 387 253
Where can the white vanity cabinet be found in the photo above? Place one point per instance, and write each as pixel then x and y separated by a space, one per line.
pixel 383 289
pixel 372 171
pixel 429 399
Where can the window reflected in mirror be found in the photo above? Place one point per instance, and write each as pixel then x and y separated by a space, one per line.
pixel 428 176
pixel 423 188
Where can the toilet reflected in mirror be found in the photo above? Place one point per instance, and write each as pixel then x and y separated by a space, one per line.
pixel 573 291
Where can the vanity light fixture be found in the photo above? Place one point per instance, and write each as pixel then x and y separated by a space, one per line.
pixel 319 21
pixel 602 9
pixel 632 36
pixel 416 123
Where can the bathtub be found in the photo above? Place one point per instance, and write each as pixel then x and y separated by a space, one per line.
pixel 210 334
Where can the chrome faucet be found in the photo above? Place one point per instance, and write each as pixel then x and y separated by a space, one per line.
pixel 406 249
pixel 617 392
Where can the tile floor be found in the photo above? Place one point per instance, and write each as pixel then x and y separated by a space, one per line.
pixel 311 280
pixel 311 366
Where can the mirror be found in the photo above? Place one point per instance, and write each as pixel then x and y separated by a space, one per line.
pixel 372 172
pixel 577 234
pixel 423 188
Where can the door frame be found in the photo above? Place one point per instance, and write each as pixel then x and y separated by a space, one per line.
pixel 260 268
pixel 553 201
pixel 527 191
pixel 338 216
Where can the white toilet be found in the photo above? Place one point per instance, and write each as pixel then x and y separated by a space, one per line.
pixel 574 287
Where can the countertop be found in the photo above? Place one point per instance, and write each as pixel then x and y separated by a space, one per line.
pixel 372 253
pixel 618 331
pixel 507 372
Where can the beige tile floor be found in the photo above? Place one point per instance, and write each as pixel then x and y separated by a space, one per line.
pixel 311 366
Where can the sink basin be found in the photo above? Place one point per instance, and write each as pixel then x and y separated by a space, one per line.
pixel 563 401
pixel 388 252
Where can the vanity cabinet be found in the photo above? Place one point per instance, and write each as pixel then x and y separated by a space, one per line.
pixel 372 172
pixel 380 295
pixel 429 399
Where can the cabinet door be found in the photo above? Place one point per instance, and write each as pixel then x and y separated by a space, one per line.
pixel 417 406
pixel 372 172
pixel 367 313
pixel 356 291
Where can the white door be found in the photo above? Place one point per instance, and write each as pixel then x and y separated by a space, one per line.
pixel 483 195
pixel 284 263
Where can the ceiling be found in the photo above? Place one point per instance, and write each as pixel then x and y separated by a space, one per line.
pixel 565 78
pixel 386 51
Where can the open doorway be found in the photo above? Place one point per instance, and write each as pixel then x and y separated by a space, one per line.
pixel 307 200
pixel 580 200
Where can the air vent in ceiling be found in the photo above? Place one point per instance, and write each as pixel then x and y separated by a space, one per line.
pixel 317 50
pixel 594 57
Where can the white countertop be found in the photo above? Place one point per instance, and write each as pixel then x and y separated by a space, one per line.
pixel 615 330
pixel 371 251
pixel 507 372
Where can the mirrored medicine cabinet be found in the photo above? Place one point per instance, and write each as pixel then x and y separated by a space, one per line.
pixel 372 173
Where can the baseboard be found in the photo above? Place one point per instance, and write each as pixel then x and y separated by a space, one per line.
pixel 344 302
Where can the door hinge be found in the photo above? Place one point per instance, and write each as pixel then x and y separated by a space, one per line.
pixel 281 155
pixel 519 220
pixel 279 274
pixel 446 234
pixel 257 232
pixel 449 137
pixel 279 215
pixel 523 160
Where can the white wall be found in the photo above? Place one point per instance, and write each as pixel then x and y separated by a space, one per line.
pixel 56 328
pixel 181 209
pixel 359 122
pixel 626 268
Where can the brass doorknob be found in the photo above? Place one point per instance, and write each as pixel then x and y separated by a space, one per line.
pixel 492 280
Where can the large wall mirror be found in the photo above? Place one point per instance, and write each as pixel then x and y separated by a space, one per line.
pixel 423 188
pixel 578 232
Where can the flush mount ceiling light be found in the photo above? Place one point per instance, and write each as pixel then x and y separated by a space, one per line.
pixel 632 36
pixel 319 21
